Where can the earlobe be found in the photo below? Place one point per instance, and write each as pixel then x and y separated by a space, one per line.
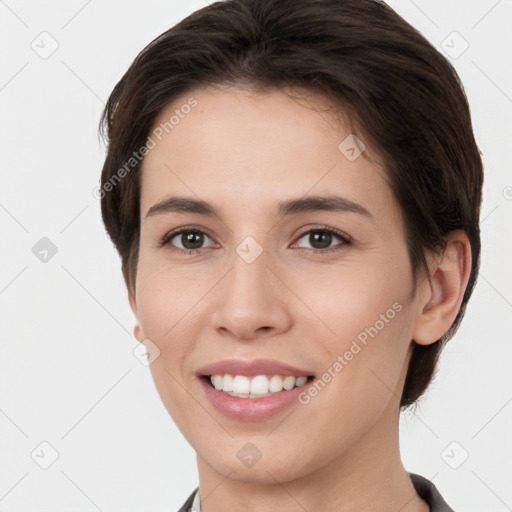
pixel 442 294
pixel 137 329
pixel 137 332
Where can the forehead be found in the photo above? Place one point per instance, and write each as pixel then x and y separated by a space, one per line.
pixel 237 144
pixel 227 108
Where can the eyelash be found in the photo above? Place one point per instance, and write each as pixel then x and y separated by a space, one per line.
pixel 345 239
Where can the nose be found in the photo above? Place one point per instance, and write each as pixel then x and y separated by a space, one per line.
pixel 250 301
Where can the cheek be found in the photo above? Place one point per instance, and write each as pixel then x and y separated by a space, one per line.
pixel 370 323
pixel 168 318
pixel 168 299
pixel 355 297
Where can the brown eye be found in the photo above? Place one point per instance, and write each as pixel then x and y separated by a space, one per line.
pixel 186 240
pixel 320 239
pixel 192 239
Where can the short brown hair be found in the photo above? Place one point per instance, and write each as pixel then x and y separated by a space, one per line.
pixel 398 89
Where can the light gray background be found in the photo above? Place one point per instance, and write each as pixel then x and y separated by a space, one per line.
pixel 68 376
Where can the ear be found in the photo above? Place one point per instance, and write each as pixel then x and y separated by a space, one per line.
pixel 137 329
pixel 440 296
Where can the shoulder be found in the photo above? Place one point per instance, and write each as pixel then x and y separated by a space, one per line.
pixel 428 492
pixel 424 487
pixel 190 500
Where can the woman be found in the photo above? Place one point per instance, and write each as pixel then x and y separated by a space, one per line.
pixel 294 190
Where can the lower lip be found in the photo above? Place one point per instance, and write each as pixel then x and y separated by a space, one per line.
pixel 251 408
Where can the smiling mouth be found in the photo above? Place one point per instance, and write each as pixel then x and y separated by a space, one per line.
pixel 259 386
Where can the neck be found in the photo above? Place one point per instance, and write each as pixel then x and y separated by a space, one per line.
pixel 369 476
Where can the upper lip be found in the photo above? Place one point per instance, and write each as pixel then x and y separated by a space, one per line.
pixel 251 368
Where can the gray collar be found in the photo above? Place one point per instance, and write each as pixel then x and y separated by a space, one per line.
pixel 424 487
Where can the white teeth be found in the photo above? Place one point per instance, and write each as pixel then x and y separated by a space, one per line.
pixel 217 381
pixel 275 384
pixel 227 383
pixel 258 386
pixel 288 383
pixel 299 381
pixel 241 384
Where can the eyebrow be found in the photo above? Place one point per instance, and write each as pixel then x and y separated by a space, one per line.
pixel 330 203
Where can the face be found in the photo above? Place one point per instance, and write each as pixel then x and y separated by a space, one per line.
pixel 321 288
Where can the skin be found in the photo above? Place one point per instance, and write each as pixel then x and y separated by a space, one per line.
pixel 244 152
